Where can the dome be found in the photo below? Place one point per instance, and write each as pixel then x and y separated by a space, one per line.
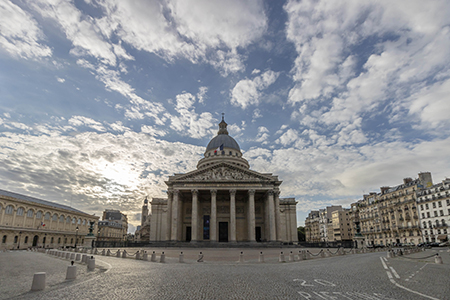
pixel 225 140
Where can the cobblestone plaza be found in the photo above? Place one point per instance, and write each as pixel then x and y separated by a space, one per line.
pixel 222 276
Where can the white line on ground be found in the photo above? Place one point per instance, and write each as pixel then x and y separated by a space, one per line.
pixel 394 272
pixel 384 264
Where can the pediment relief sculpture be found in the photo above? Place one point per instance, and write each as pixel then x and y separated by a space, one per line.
pixel 223 173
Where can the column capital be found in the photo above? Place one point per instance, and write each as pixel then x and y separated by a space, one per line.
pixel 176 192
pixel 213 191
pixel 233 192
pixel 270 192
pixel 251 192
pixel 194 192
pixel 169 193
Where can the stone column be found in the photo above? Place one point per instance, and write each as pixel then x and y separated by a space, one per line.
pixel 277 215
pixel 194 216
pixel 213 223
pixel 251 216
pixel 233 216
pixel 169 215
pixel 174 216
pixel 272 228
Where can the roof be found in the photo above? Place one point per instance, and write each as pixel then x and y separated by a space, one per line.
pixel 225 140
pixel 39 201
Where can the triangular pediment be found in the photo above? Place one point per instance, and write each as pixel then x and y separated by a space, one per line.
pixel 222 172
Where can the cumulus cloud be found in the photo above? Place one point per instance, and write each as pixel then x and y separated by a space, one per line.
pixel 88 122
pixel 20 34
pixel 248 92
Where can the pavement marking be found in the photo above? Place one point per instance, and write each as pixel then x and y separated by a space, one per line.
pixel 391 279
pixel 394 272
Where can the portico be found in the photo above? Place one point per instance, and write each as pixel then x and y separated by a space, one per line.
pixel 224 201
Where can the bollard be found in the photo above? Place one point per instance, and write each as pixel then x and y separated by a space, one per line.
pixel 153 258
pixel 162 259
pixel 71 272
pixel 124 254
pixel 300 255
pixel 78 257
pixel 138 255
pixel 103 252
pixel 181 260
pixel 241 257
pixel 72 256
pixel 438 259
pixel 38 281
pixel 291 256
pixel 200 257
pixel 84 258
pixel 118 253
pixel 91 264
pixel 108 253
pixel 307 255
pixel 322 253
pixel 145 256
pixel 282 259
pixel 95 251
pixel 68 255
pixel 327 253
pixel 261 257
pixel 389 254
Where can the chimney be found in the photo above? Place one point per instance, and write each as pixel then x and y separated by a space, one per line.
pixel 384 189
pixel 407 180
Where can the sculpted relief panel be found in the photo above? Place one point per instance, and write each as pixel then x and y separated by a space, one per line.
pixel 223 173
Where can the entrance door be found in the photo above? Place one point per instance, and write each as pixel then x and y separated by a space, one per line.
pixel 258 234
pixel 35 240
pixel 188 233
pixel 223 232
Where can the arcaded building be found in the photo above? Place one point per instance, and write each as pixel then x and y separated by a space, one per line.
pixel 223 201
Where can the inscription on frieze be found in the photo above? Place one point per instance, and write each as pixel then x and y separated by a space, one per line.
pixel 223 173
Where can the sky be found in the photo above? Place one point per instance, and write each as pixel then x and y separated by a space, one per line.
pixel 102 100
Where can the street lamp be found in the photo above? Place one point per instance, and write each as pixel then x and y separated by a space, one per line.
pixel 76 237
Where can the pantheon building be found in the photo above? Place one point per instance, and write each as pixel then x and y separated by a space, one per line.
pixel 223 201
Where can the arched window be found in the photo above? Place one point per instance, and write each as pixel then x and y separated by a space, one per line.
pixel 79 221
pixel 61 219
pixel 68 220
pixel 9 210
pixel 74 220
pixel 47 216
pixel 4 239
pixel 39 215
pixel 55 217
pixel 30 213
pixel 20 211
pixel 15 239
pixel 59 240
pixel 26 239
pixel 84 222
pixel 51 240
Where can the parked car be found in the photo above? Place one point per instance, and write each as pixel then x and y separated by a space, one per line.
pixel 434 244
pixel 444 244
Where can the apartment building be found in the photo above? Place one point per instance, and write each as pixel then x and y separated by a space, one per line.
pixel 342 228
pixel 312 228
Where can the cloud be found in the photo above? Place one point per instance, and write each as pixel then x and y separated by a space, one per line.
pixel 61 80
pixel 248 92
pixel 88 122
pixel 20 34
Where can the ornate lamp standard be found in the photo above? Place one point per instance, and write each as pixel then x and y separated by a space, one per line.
pixel 76 237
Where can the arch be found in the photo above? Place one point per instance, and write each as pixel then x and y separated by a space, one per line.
pixel 39 214
pixel 79 221
pixel 9 210
pixel 47 216
pixel 55 217
pixel 30 213
pixel 20 211
pixel 68 220
pixel 74 220
pixel 61 219
pixel 84 222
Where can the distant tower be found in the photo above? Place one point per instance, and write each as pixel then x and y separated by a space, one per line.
pixel 144 212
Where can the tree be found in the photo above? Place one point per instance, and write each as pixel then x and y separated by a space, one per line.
pixel 301 233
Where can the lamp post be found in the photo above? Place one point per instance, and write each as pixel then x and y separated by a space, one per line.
pixel 76 237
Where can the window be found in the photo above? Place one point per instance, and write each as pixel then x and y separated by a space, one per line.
pixel 423 215
pixel 71 240
pixel 55 217
pixel 441 212
pixel 47 216
pixel 428 214
pixel 15 239
pixel 426 206
pixel 448 201
pixel 434 204
pixel 43 240
pixel 435 213
pixel 421 206
pixel 39 215
pixel 84 222
pixel 439 203
pixel 61 219
pixel 74 220
pixel 424 224
pixel 30 213
pixel 68 220
pixel 20 211
pixel 59 240
pixel 26 239
pixel 65 240
pixel 51 241
pixel 79 221
pixel 4 239
pixel 9 210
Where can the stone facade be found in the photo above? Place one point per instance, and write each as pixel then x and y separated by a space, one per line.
pixel 223 201
pixel 434 211
pixel 30 222
pixel 113 227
